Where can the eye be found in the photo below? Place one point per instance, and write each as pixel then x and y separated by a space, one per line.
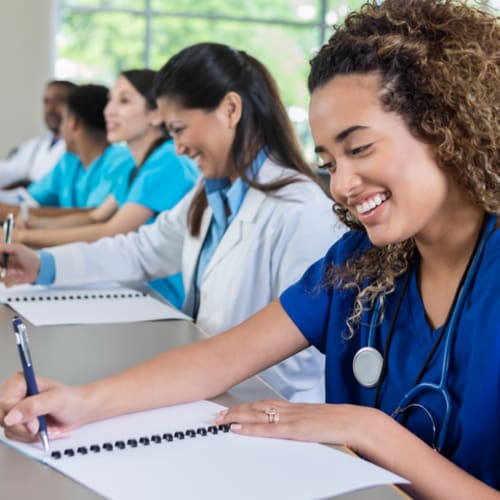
pixel 176 130
pixel 331 166
pixel 359 150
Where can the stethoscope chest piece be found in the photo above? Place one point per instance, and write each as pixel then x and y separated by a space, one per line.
pixel 367 366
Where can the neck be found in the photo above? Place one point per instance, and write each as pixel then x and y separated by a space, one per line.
pixel 446 247
pixel 90 148
pixel 140 146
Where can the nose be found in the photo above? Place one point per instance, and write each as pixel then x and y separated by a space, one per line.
pixel 108 109
pixel 180 149
pixel 344 181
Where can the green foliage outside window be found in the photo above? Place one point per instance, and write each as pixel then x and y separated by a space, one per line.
pixel 97 39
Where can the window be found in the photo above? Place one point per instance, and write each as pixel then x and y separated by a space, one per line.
pixel 99 38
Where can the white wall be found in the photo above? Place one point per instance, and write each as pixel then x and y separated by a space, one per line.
pixel 26 62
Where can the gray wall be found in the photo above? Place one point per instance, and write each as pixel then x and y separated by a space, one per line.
pixel 26 63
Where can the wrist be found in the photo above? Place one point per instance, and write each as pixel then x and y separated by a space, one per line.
pixel 370 430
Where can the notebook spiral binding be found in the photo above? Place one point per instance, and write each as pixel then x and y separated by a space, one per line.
pixel 78 296
pixel 166 437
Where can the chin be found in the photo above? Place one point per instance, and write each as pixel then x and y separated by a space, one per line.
pixel 381 238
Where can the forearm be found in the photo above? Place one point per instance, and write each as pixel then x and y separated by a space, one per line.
pixel 73 219
pixel 42 238
pixel 56 211
pixel 390 445
pixel 200 370
pixel 171 378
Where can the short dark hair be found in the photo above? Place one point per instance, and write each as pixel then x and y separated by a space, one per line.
pixel 61 83
pixel 87 103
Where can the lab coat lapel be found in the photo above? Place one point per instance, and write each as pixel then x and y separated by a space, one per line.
pixel 237 229
pixel 193 247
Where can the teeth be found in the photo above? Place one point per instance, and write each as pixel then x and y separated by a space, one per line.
pixel 371 204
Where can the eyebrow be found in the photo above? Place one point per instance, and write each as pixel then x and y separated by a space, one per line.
pixel 342 136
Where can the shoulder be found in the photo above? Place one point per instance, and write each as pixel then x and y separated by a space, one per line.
pixel 118 153
pixel 68 161
pixel 351 243
pixel 35 141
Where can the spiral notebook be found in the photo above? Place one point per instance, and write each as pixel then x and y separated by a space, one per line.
pixel 110 303
pixel 178 452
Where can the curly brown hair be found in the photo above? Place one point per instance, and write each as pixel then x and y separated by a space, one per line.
pixel 439 67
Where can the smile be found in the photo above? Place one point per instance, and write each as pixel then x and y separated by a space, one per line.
pixel 371 203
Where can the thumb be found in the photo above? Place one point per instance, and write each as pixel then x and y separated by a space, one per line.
pixel 28 409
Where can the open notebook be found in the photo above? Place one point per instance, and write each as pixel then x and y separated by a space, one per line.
pixel 110 303
pixel 177 452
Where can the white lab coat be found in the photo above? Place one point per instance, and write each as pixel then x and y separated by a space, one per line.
pixel 266 248
pixel 32 160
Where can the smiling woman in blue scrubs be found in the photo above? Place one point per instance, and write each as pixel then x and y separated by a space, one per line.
pixel 405 100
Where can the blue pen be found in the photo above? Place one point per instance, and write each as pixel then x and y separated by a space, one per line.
pixel 29 372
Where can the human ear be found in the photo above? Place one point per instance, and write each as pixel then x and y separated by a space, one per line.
pixel 73 122
pixel 155 118
pixel 232 107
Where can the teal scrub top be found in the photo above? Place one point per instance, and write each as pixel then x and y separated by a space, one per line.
pixel 70 185
pixel 159 184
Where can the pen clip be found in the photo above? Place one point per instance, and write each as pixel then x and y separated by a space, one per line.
pixel 22 340
pixel 8 226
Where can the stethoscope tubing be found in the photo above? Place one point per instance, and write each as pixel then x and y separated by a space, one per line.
pixel 449 334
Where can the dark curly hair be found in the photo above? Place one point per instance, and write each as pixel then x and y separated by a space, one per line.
pixel 439 67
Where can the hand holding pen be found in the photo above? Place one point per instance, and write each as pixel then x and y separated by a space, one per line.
pixel 8 227
pixel 29 373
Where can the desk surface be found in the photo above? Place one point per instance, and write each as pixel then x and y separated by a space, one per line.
pixel 80 353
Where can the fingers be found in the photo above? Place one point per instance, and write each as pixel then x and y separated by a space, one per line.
pixel 268 418
pixel 18 414
pixel 12 391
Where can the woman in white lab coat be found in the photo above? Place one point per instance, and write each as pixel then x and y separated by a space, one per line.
pixel 255 221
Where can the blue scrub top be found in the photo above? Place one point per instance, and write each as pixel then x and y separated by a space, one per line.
pixel 473 438
pixel 70 185
pixel 161 182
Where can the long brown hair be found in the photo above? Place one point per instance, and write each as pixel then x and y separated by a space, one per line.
pixel 199 77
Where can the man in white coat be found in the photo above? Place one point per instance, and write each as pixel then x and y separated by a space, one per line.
pixel 37 156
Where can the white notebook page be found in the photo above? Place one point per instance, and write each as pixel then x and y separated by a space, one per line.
pixel 110 303
pixel 222 466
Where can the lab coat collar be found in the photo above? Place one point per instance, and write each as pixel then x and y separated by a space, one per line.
pixel 247 213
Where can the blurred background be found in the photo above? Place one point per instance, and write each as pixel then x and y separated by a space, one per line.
pixel 93 40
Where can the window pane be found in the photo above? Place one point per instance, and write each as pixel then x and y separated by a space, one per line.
pixel 290 10
pixel 117 4
pixel 287 61
pixel 97 46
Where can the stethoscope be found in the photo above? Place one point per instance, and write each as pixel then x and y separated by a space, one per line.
pixel 369 366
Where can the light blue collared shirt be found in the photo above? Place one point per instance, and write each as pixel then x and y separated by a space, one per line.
pixel 225 201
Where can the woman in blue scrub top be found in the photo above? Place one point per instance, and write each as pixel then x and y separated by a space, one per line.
pixel 405 99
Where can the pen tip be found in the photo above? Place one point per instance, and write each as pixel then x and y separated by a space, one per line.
pixel 45 440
